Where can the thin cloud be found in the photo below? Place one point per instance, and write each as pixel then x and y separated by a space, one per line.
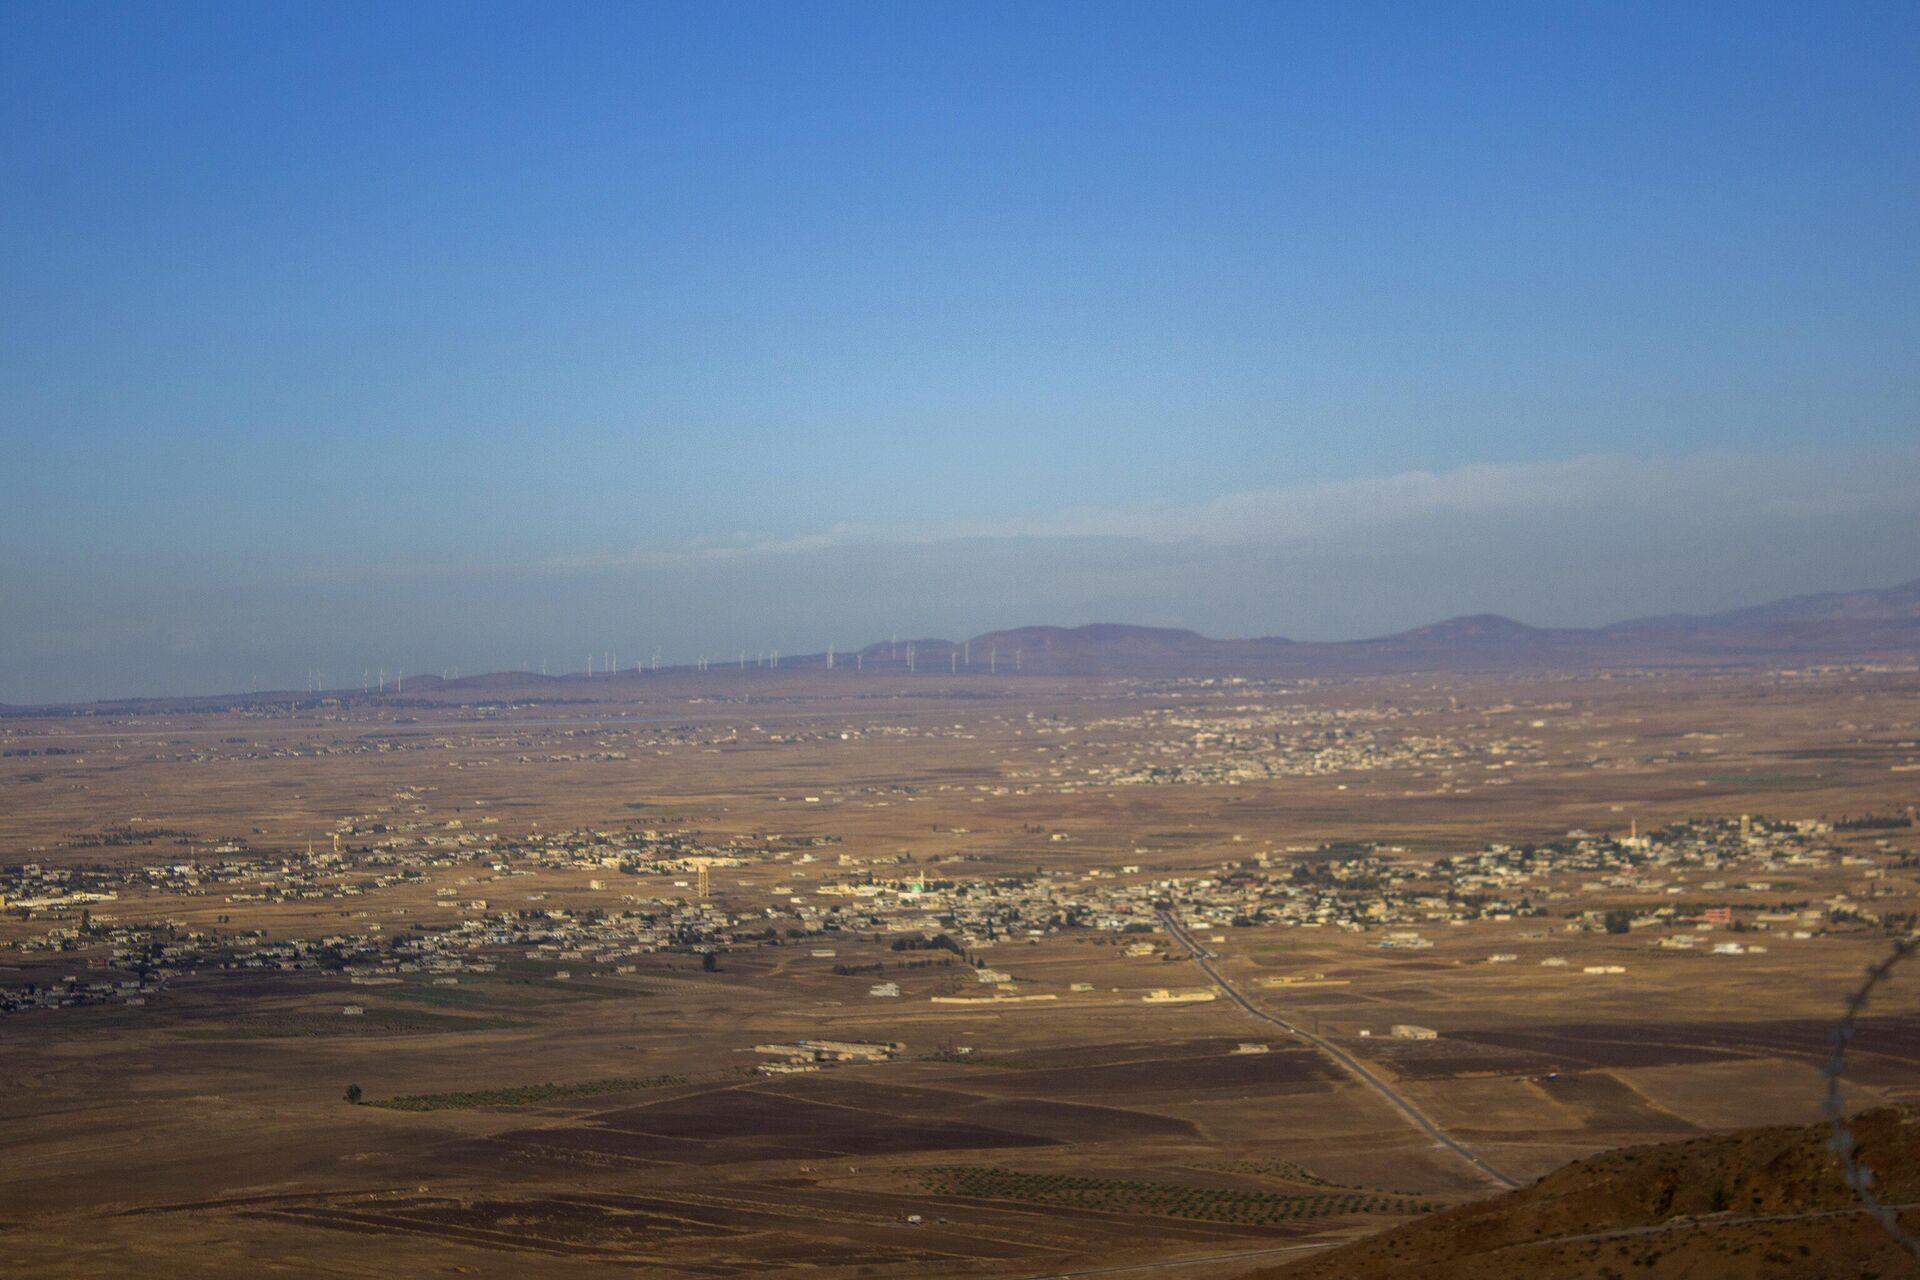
pixel 1319 513
pixel 1405 505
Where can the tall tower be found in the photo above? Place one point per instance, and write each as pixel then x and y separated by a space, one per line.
pixel 706 882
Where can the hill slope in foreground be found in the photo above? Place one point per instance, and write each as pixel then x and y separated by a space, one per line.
pixel 1760 1203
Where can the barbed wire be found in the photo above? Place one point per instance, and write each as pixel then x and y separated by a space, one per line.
pixel 1842 1142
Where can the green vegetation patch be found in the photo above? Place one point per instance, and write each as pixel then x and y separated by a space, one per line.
pixel 1003 1062
pixel 1164 1199
pixel 667 810
pixel 459 997
pixel 1772 781
pixel 594 991
pixel 522 1095
pixel 1281 1170
pixel 372 1022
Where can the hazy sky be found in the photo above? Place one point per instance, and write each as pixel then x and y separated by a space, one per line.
pixel 472 335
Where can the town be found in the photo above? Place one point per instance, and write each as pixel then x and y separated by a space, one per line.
pixel 823 958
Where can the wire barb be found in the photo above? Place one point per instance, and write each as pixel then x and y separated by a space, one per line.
pixel 1842 1143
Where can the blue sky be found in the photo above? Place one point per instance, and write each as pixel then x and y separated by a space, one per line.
pixel 462 293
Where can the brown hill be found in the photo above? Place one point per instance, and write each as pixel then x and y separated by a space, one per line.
pixel 1760 1203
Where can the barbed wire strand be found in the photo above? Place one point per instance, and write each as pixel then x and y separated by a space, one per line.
pixel 1842 1142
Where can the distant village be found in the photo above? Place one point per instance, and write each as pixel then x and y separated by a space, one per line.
pixel 1717 887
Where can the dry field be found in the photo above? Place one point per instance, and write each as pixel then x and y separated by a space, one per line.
pixel 568 1111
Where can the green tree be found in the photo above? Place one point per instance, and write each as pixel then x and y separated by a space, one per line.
pixel 353 1094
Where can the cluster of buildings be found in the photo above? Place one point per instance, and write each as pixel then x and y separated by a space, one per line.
pixel 1233 745
pixel 1683 883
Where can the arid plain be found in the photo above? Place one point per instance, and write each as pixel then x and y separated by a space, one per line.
pixel 929 1016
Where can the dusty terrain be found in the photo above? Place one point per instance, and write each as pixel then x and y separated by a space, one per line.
pixel 1761 1203
pixel 571 1062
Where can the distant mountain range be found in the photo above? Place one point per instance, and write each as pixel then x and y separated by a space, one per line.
pixel 1839 626
pixel 1853 626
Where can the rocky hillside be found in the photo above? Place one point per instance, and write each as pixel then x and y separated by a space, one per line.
pixel 1758 1204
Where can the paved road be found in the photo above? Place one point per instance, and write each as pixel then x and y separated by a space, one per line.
pixel 1347 1061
